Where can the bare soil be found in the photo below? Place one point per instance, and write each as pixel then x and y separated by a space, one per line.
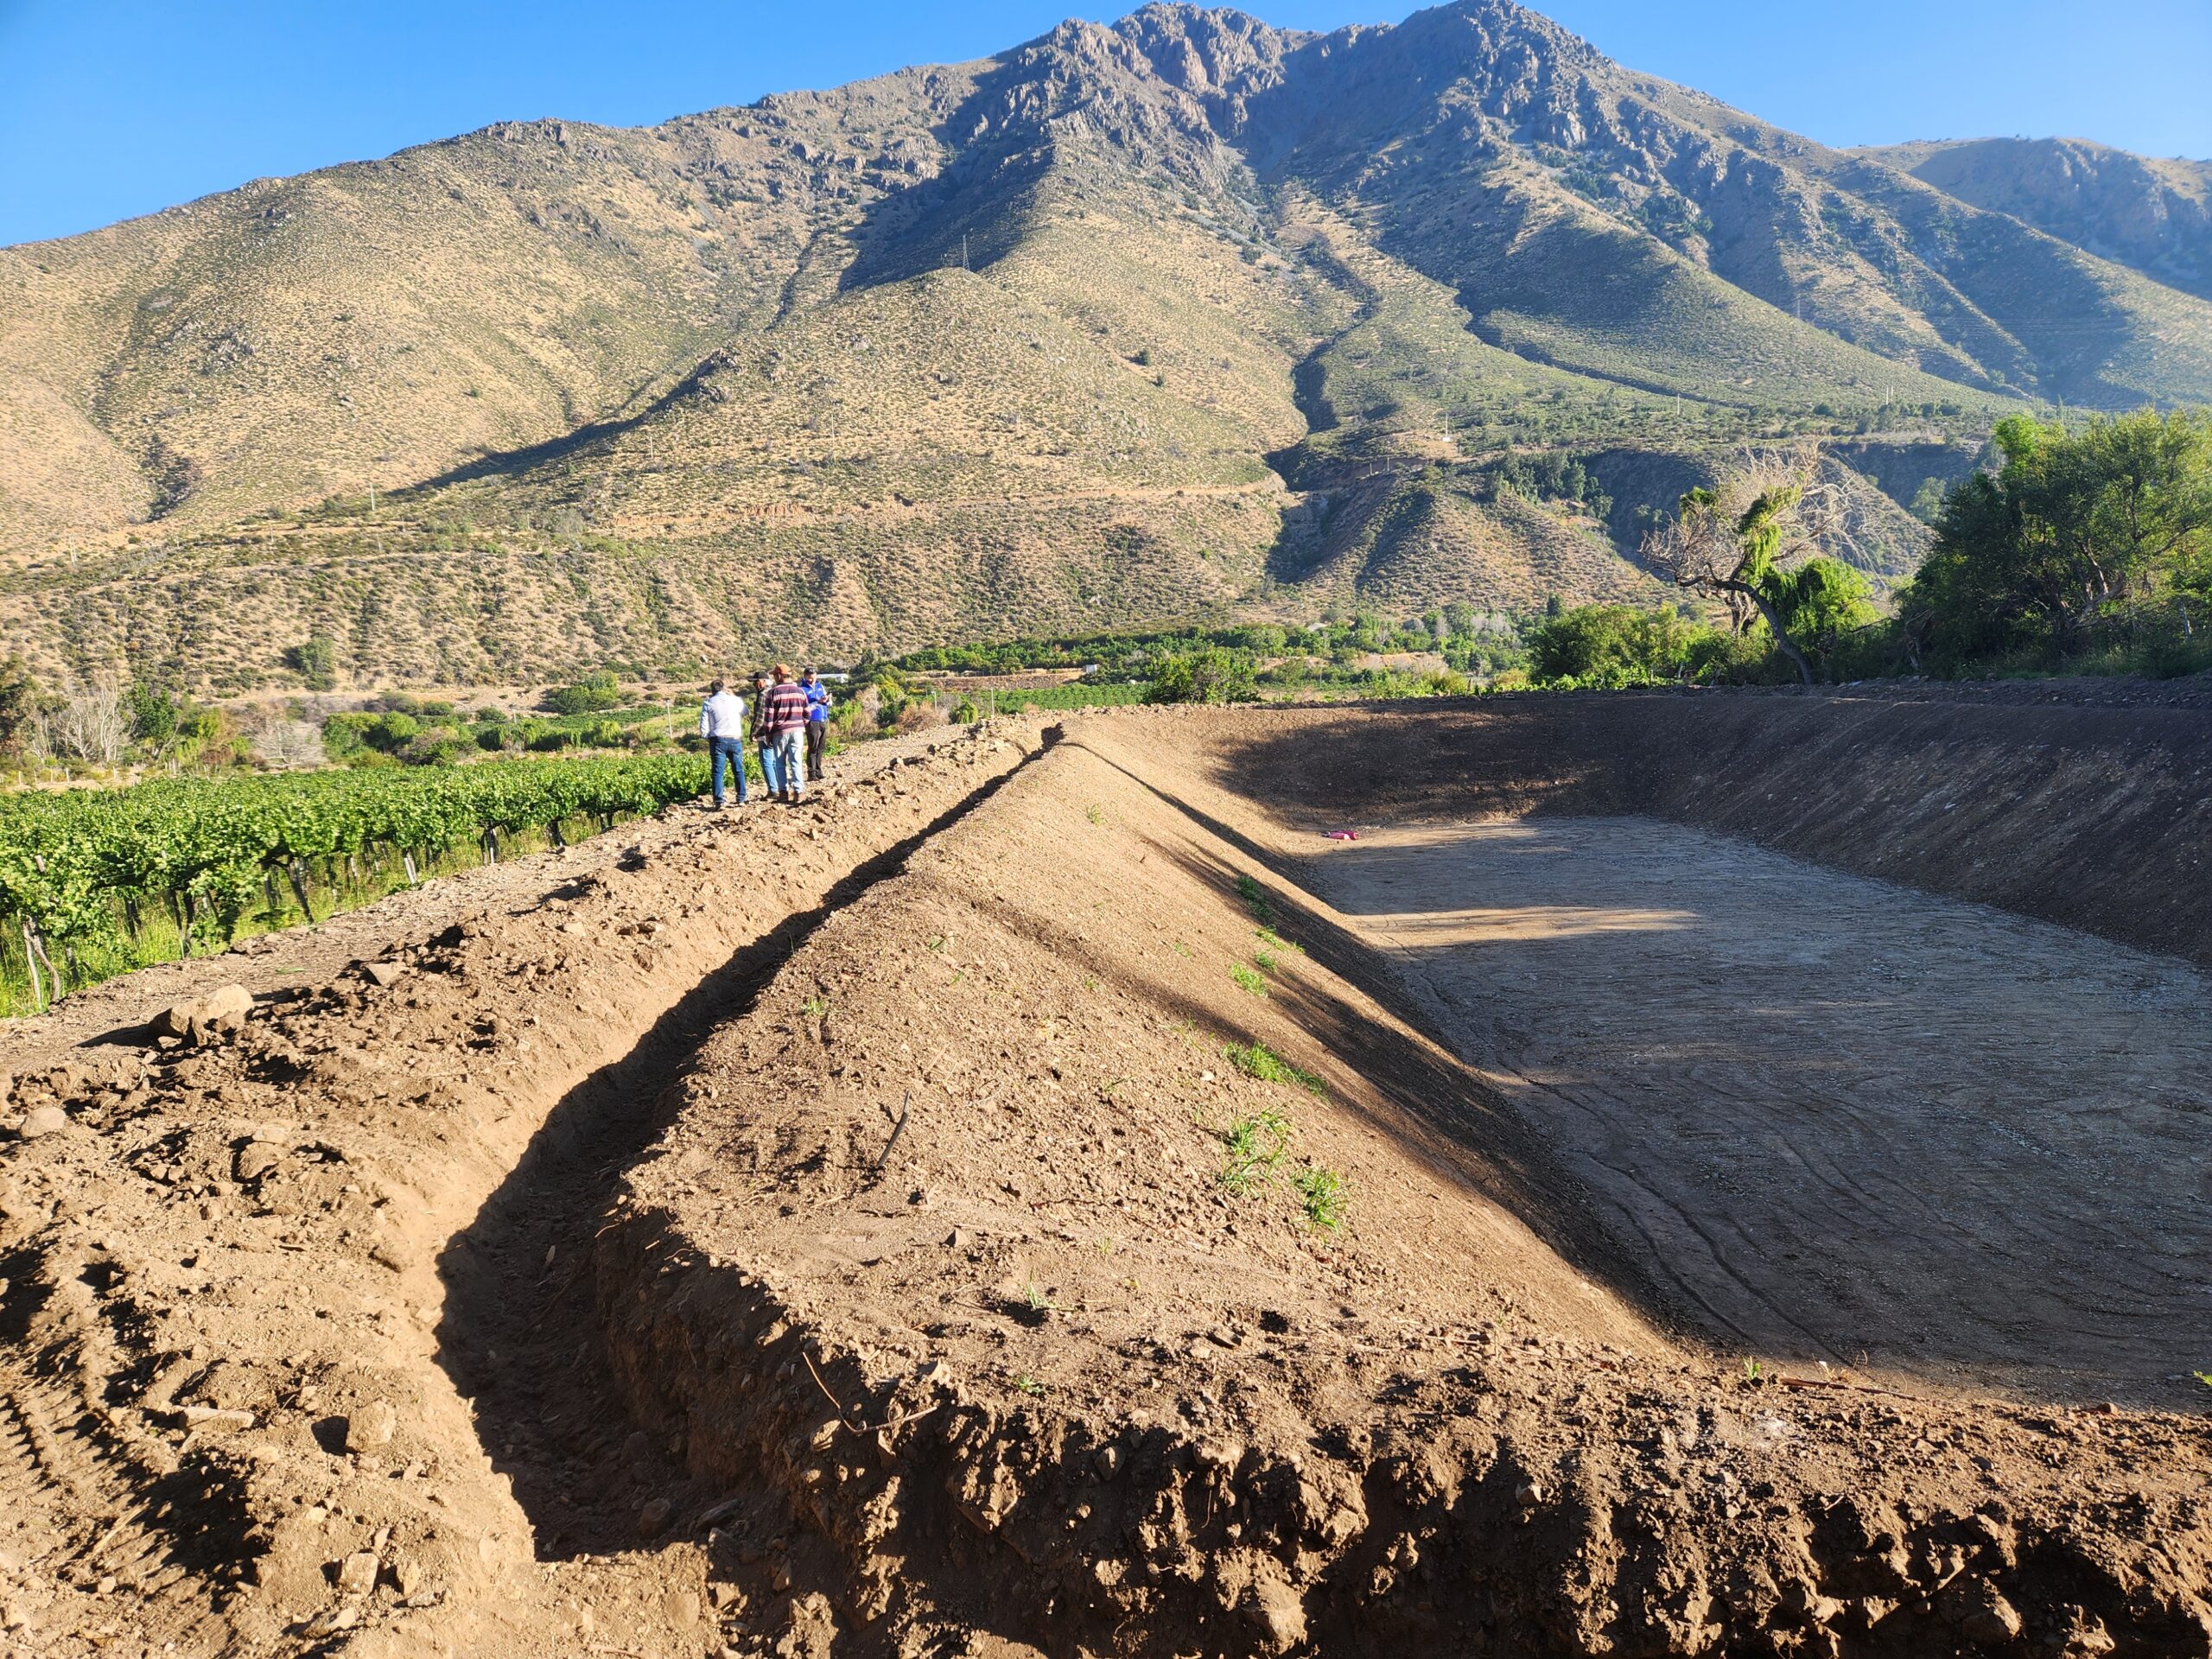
pixel 1836 1120
pixel 851 1230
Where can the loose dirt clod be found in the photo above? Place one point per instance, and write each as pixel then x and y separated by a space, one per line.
pixel 220 1012
pixel 370 1427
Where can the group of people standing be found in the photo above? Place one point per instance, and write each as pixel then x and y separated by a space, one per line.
pixel 788 721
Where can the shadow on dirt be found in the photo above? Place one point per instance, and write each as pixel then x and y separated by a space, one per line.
pixel 520 1337
pixel 1803 1103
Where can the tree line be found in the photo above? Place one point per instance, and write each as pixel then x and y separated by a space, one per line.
pixel 2077 547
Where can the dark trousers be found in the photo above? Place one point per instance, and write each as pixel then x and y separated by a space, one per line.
pixel 817 740
pixel 730 752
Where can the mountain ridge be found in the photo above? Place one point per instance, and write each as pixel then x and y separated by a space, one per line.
pixel 1240 300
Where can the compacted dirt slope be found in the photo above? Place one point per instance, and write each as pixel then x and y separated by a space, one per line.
pixel 1025 1203
pixel 1840 1122
pixel 2095 813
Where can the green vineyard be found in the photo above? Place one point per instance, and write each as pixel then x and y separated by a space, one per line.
pixel 98 881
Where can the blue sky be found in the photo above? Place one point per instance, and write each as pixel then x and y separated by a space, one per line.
pixel 109 108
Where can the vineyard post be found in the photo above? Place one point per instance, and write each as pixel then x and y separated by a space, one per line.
pixel 292 874
pixel 53 974
pixel 30 960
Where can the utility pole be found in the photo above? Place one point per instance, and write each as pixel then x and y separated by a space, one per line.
pixel 964 251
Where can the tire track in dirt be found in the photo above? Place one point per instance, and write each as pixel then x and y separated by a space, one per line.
pixel 79 1515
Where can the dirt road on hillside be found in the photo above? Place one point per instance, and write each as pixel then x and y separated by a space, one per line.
pixel 1840 1120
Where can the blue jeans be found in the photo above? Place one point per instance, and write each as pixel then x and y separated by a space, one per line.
pixel 726 751
pixel 771 768
pixel 790 760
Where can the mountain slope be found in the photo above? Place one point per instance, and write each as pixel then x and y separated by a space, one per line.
pixel 1183 314
pixel 2151 214
pixel 380 321
pixel 1616 223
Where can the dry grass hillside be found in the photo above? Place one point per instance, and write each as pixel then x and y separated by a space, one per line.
pixel 1184 315
pixel 385 320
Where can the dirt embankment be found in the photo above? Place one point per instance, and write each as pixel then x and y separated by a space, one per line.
pixel 941 1246
pixel 262 1299
pixel 963 1218
pixel 2097 817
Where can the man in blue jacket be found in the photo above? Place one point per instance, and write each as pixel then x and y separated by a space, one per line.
pixel 817 721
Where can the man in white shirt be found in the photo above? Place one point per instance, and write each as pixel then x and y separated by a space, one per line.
pixel 721 722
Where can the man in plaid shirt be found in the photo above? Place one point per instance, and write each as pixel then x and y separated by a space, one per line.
pixel 783 713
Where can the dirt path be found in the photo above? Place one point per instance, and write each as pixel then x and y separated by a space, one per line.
pixel 1840 1119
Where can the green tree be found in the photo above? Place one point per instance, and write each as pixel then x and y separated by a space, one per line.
pixel 1821 601
pixel 1210 674
pixel 388 733
pixel 1614 646
pixel 2076 528
pixel 1746 543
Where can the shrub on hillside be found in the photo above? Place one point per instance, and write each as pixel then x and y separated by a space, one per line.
pixel 316 661
pixel 594 693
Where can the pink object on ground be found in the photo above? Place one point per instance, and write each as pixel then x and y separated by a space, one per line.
pixel 1344 835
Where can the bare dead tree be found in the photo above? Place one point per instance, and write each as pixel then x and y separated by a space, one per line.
pixel 89 723
pixel 286 744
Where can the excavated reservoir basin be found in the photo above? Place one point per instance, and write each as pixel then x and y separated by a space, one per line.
pixel 1670 1175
